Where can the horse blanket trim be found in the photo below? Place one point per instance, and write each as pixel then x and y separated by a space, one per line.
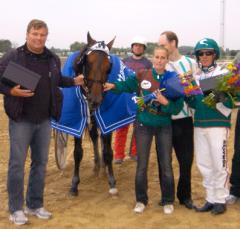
pixel 79 126
pixel 115 111
pixel 74 105
pixel 108 129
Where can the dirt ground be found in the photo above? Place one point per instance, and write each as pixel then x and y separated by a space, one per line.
pixel 95 208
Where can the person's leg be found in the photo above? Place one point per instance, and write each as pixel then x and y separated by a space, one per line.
pixel 143 139
pixel 133 152
pixel 204 161
pixel 39 155
pixel 218 148
pixel 235 174
pixel 133 146
pixel 183 146
pixel 120 142
pixel 20 136
pixel 164 155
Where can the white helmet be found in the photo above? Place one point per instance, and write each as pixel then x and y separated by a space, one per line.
pixel 139 40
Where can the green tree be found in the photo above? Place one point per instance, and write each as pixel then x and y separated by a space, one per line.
pixel 222 53
pixel 5 45
pixel 76 46
pixel 150 48
pixel 122 52
pixel 186 50
pixel 234 52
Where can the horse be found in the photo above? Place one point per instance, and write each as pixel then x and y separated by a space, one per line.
pixel 94 63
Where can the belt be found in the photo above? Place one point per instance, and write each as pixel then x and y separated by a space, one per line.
pixel 155 112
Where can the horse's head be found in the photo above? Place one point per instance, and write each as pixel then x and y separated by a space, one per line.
pixel 94 63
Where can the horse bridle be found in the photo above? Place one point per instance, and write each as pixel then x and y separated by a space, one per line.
pixel 81 63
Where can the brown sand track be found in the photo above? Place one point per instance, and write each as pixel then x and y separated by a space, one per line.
pixel 95 208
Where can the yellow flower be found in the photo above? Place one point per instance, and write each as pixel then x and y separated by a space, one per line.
pixel 231 67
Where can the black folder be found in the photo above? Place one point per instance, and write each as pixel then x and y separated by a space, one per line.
pixel 209 83
pixel 16 74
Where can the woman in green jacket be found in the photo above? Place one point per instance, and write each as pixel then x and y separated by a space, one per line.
pixel 153 119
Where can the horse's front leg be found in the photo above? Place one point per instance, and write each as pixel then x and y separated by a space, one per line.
pixel 78 155
pixel 107 158
pixel 93 132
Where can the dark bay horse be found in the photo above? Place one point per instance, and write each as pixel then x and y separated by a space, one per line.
pixel 94 63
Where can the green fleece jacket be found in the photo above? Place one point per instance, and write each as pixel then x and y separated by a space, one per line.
pixel 205 116
pixel 144 116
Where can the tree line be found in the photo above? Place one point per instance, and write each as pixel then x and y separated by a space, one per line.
pixel 6 45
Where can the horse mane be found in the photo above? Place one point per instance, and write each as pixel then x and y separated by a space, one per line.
pixel 80 59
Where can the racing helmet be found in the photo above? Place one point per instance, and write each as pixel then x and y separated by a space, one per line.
pixel 207 43
pixel 139 40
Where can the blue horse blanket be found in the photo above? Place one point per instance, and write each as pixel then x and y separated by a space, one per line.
pixel 115 111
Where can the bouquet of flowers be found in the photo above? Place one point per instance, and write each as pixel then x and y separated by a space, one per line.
pixel 181 85
pixel 174 86
pixel 143 100
pixel 228 84
pixel 189 85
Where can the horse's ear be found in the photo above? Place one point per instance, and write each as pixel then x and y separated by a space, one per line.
pixel 90 41
pixel 110 44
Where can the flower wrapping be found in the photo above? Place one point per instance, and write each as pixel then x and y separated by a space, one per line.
pixel 173 87
pixel 228 86
pixel 143 100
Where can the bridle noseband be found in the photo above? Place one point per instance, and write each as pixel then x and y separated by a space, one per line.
pixel 82 66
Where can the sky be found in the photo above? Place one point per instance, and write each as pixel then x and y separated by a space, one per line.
pixel 70 20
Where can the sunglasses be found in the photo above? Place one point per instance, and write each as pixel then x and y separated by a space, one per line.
pixel 207 53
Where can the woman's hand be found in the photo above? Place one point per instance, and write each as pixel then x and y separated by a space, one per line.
pixel 160 98
pixel 108 86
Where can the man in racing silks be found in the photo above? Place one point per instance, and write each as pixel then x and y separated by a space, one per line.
pixel 211 129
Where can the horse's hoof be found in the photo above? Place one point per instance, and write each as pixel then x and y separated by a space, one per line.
pixel 73 192
pixel 113 191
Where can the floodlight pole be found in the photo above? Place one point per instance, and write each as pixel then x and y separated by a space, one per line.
pixel 222 23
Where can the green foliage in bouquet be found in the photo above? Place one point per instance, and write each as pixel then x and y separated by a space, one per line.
pixel 228 86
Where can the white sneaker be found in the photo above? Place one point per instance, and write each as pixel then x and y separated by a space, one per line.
pixel 231 199
pixel 18 218
pixel 41 213
pixel 139 208
pixel 168 209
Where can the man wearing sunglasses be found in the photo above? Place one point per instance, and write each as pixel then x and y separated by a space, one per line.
pixel 207 52
pixel 211 129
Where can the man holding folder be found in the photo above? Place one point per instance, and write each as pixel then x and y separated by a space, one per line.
pixel 29 115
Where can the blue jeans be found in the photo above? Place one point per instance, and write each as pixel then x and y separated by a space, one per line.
pixel 163 139
pixel 22 136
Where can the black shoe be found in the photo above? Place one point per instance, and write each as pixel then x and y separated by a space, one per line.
pixel 205 208
pixel 160 203
pixel 188 203
pixel 218 209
